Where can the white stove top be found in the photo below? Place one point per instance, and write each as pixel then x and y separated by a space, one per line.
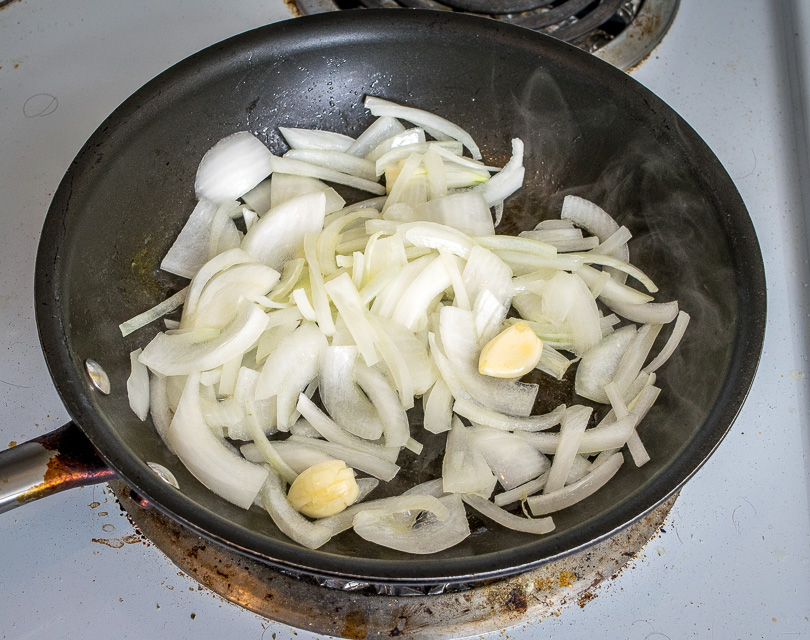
pixel 733 559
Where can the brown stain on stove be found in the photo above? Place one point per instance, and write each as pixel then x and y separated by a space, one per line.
pixel 355 626
pixel 117 543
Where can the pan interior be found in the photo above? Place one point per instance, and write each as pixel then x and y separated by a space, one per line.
pixel 589 130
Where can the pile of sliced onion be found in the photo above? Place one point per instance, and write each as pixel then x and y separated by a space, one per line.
pixel 310 328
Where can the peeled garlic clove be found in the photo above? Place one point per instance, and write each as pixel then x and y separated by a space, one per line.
pixel 324 489
pixel 512 353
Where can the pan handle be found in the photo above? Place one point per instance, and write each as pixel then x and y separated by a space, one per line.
pixel 56 461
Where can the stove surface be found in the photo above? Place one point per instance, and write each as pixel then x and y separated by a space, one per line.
pixel 732 558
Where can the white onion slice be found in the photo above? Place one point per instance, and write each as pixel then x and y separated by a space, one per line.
pixel 189 251
pixel 572 429
pixel 278 236
pixel 161 309
pixel 513 460
pixel 509 520
pixel 672 343
pixel 647 313
pixel 377 132
pixel 579 490
pixel 299 168
pixel 259 198
pixel 315 139
pixel 266 448
pixel 599 365
pixel 344 401
pixel 336 160
pixel 407 137
pixel 428 121
pixel 232 167
pixel 219 300
pixel 429 534
pixel 510 179
pixel 138 386
pixel 504 422
pixel 385 400
pixel 464 468
pixel 176 355
pixel 485 270
pixel 285 187
pixel 411 310
pixel 438 408
pixel 370 463
pixel 401 507
pixel 334 433
pixel 354 313
pixel 468 212
pixel 297 456
pixel 217 467
pixel 291 523
pixel 211 268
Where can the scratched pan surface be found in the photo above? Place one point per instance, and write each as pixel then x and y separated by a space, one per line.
pixel 588 128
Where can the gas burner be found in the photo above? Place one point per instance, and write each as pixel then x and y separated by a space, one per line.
pixel 351 609
pixel 621 32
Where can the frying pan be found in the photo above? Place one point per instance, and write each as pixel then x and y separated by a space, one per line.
pixel 589 130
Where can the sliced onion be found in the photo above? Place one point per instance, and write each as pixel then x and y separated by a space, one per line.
pixel 259 198
pixel 285 187
pixel 400 507
pixel 411 311
pixel 428 121
pixel 386 401
pixel 379 131
pixel 299 168
pixel 572 429
pixel 438 408
pixel 176 355
pixel 672 343
pixel 367 462
pixel 161 309
pixel 513 460
pixel 429 534
pixel 232 167
pixel 599 365
pixel 464 468
pixel 190 250
pixel 138 386
pixel 315 139
pixel 510 179
pixel 504 422
pixel 297 456
pixel 354 313
pixel 648 313
pixel 509 520
pixel 405 138
pixel 344 401
pixel 279 235
pixel 579 490
pixel 218 468
pixel 336 160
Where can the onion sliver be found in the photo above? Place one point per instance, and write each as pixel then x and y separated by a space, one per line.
pixel 579 490
pixel 464 468
pixel 385 400
pixel 438 408
pixel 379 130
pixel 504 422
pixel 334 433
pixel 672 343
pixel 337 160
pixel 411 311
pixel 138 386
pixel 572 429
pixel 354 313
pixel 315 139
pixel 220 298
pixel 428 121
pixel 297 456
pixel 175 355
pixel 509 520
pixel 189 251
pixel 599 364
pixel 291 523
pixel 343 400
pixel 401 507
pixel 648 313
pixel 206 457
pixel 606 436
pixel 437 236
pixel 370 463
pixel 278 236
pixel 510 179
pixel 232 167
pixel 513 460
pixel 429 534
pixel 467 211
pixel 298 168
pixel 161 309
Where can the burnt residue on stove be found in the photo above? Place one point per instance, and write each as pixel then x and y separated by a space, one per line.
pixel 370 613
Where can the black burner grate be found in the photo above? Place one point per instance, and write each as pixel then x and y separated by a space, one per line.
pixel 589 24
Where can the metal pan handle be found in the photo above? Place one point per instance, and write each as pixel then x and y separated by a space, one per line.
pixel 56 461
